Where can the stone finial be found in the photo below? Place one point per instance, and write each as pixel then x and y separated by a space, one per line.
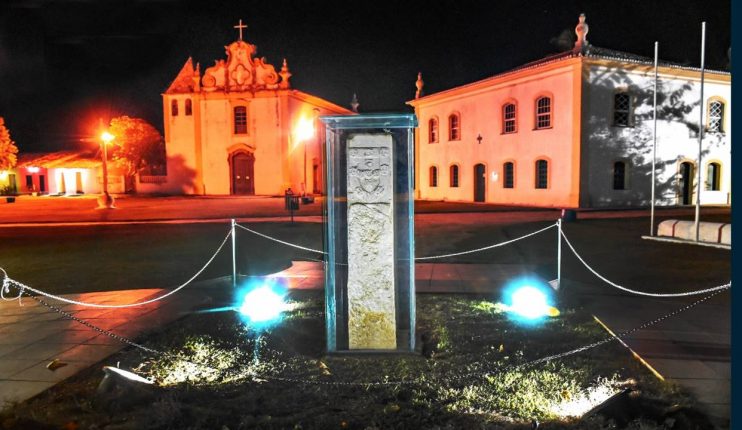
pixel 354 103
pixel 285 75
pixel 419 84
pixel 581 31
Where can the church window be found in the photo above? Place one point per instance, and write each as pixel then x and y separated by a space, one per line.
pixel 619 175
pixel 188 107
pixel 508 118
pixel 174 108
pixel 543 112
pixel 454 127
pixel 542 174
pixel 240 120
pixel 621 109
pixel 433 130
pixel 713 179
pixel 716 116
pixel 508 170
pixel 454 176
pixel 433 176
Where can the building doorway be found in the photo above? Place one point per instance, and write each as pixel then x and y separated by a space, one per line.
pixel 315 177
pixel 62 184
pixel 243 178
pixel 686 182
pixel 479 182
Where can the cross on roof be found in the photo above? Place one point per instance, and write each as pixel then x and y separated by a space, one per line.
pixel 240 26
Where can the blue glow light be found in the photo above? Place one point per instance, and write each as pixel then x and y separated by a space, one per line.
pixel 261 304
pixel 529 300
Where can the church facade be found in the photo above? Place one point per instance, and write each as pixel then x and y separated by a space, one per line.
pixel 239 128
pixel 576 130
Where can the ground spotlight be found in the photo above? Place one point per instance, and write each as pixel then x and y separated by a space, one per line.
pixel 262 304
pixel 529 300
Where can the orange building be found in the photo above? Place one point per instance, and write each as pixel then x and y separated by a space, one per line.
pixel 575 129
pixel 239 128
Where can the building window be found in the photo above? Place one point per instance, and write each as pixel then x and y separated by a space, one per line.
pixel 621 109
pixel 508 170
pixel 542 174
pixel 240 120
pixel 188 107
pixel 543 112
pixel 454 127
pixel 174 108
pixel 433 176
pixel 619 175
pixel 454 176
pixel 433 130
pixel 713 178
pixel 29 182
pixel 508 118
pixel 716 116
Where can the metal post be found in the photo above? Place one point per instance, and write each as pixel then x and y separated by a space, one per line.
pixel 654 144
pixel 234 256
pixel 701 106
pixel 559 253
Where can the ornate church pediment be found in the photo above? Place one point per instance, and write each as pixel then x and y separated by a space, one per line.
pixel 241 72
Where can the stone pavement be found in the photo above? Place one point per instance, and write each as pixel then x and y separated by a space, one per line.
pixel 33 335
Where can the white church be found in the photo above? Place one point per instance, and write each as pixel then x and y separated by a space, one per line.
pixel 575 129
pixel 238 128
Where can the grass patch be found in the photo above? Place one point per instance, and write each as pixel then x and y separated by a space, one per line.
pixel 220 373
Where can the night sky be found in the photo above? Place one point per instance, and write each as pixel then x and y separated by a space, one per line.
pixel 64 64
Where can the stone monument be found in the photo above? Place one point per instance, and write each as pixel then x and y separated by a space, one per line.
pixel 369 271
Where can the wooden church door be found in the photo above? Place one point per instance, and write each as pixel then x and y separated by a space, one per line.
pixel 243 178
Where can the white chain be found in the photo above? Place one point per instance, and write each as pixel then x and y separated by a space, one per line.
pixel 471 251
pixel 642 293
pixel 279 240
pixel 22 287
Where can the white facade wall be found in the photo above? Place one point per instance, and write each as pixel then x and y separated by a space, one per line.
pixel 605 143
pixel 480 111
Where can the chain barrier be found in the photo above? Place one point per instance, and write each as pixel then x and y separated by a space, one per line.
pixel 471 251
pixel 7 281
pixel 641 293
pixel 293 245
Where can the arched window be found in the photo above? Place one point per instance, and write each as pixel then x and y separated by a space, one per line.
pixel 716 116
pixel 508 118
pixel 543 112
pixel 619 175
pixel 433 130
pixel 508 174
pixel 542 174
pixel 621 109
pixel 454 127
pixel 713 177
pixel 454 176
pixel 188 107
pixel 174 108
pixel 240 120
pixel 433 176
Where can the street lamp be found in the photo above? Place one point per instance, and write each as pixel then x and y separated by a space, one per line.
pixel 105 201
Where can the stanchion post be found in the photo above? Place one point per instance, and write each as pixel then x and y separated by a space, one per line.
pixel 559 253
pixel 234 256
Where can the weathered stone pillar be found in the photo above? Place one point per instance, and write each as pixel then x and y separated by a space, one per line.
pixel 369 226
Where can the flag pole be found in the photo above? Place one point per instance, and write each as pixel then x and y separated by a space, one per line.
pixel 654 144
pixel 700 132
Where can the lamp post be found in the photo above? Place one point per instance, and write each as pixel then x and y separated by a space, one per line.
pixel 105 201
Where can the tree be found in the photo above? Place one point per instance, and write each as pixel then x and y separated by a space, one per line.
pixel 137 144
pixel 8 150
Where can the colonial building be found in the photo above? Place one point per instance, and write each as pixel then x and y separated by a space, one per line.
pixel 63 173
pixel 239 128
pixel 575 130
